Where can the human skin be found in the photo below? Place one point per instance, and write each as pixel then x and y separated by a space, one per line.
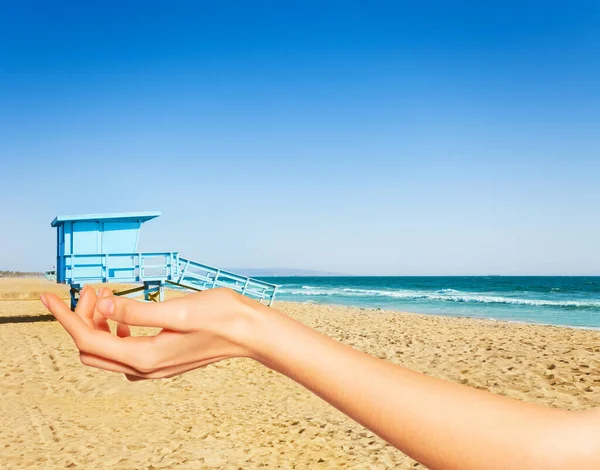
pixel 441 424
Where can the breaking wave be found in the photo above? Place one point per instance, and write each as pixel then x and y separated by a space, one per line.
pixel 446 295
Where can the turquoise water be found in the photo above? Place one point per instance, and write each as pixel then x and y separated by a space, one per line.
pixel 571 301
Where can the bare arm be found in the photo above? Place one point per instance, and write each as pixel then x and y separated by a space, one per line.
pixel 441 424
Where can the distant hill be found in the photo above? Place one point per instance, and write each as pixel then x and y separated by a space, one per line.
pixel 281 272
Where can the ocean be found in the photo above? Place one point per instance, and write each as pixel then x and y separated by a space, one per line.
pixel 569 301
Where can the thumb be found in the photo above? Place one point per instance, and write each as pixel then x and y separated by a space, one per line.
pixel 136 313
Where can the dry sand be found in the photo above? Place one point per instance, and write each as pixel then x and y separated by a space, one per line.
pixel 236 414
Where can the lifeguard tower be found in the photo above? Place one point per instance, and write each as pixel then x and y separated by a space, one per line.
pixel 99 248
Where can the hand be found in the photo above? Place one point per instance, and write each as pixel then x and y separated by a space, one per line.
pixel 197 330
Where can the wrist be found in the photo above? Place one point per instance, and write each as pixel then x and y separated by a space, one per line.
pixel 252 325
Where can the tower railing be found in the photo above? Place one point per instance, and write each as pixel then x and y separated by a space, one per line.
pixel 120 267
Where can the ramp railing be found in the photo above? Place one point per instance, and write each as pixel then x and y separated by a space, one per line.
pixel 201 277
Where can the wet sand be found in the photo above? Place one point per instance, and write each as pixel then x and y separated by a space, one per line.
pixel 57 413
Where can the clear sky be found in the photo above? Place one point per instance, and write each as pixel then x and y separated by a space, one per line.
pixel 355 137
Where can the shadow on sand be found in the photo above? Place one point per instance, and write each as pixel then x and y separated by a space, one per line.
pixel 27 319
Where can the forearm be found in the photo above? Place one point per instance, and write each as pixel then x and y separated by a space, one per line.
pixel 439 423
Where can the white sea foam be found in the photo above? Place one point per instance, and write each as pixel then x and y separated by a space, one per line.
pixel 447 295
pixel 447 291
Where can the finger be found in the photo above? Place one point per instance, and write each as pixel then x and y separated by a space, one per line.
pixel 171 314
pixel 86 305
pixel 70 321
pixel 100 321
pixel 113 366
pixel 137 352
pixel 106 364
pixel 123 330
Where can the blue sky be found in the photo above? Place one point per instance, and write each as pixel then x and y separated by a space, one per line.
pixel 355 137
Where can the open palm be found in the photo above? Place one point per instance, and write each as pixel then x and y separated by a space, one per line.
pixel 196 330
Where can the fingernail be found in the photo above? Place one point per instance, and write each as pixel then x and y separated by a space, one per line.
pixel 44 301
pixel 106 307
pixel 82 292
pixel 100 291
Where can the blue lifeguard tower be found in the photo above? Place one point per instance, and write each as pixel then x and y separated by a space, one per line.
pixel 98 248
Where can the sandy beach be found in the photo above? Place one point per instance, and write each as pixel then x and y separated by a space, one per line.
pixel 236 414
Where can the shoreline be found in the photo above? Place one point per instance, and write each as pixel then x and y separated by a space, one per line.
pixel 466 317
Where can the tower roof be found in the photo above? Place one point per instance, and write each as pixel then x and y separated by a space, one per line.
pixel 121 216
